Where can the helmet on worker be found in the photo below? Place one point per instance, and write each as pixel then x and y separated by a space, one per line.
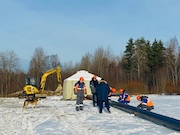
pixel 121 90
pixel 113 90
pixel 138 97
pixel 94 77
pixel 81 79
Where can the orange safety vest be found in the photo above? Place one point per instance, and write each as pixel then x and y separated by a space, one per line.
pixel 149 103
pixel 128 98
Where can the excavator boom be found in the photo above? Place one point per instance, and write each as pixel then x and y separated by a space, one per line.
pixel 47 73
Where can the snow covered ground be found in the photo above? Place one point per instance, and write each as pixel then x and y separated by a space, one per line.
pixel 54 116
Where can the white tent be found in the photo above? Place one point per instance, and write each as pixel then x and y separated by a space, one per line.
pixel 68 84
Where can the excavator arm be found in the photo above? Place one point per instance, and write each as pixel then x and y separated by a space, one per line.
pixel 46 74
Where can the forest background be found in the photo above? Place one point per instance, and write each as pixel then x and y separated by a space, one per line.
pixel 145 67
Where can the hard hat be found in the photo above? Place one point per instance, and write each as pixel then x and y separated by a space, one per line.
pixel 113 90
pixel 81 79
pixel 138 97
pixel 94 77
pixel 121 90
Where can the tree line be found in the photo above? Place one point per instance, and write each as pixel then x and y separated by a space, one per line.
pixel 144 67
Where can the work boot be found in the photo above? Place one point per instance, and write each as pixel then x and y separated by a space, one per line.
pixel 108 111
pixel 100 111
pixel 77 108
pixel 81 107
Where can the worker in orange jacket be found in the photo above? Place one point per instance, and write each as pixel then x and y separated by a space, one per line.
pixel 112 91
pixel 146 103
pixel 80 91
pixel 124 97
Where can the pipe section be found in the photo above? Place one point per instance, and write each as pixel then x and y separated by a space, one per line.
pixel 168 122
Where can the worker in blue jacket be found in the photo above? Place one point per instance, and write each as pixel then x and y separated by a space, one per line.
pixel 146 103
pixel 124 97
pixel 103 91
pixel 80 91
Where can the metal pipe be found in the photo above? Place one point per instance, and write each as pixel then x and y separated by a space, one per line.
pixel 168 122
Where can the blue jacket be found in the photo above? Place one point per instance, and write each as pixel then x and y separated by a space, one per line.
pixel 124 96
pixel 79 88
pixel 102 90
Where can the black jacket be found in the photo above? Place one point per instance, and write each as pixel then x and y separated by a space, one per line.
pixel 93 85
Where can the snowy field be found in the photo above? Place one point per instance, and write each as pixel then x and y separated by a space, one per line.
pixel 54 116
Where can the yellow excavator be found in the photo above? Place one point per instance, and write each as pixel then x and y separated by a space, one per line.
pixel 30 89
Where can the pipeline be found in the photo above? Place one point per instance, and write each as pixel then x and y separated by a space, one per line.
pixel 168 122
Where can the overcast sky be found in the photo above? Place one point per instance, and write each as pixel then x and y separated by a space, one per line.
pixel 71 28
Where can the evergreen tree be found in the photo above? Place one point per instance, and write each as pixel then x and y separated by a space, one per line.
pixel 129 56
pixel 157 56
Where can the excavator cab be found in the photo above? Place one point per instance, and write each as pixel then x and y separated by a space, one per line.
pixel 31 81
pixel 30 88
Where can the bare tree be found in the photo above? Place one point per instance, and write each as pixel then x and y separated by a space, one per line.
pixel 173 59
pixel 67 69
pixel 101 61
pixel 52 61
pixel 86 62
pixel 140 56
pixel 9 64
pixel 38 63
pixel 97 61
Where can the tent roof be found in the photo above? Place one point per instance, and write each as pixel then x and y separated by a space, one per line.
pixel 82 73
